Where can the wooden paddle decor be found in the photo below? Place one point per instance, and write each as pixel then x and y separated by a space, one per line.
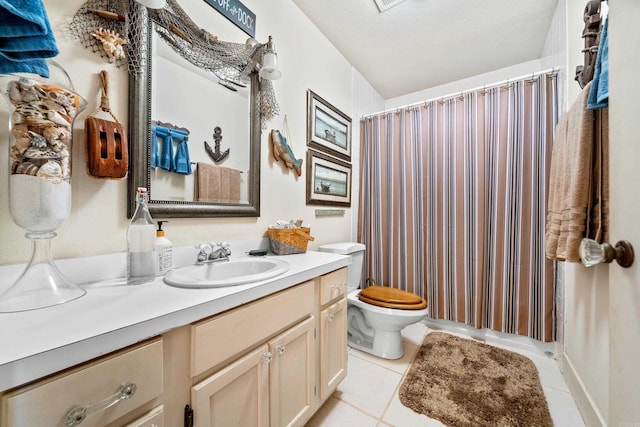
pixel 107 150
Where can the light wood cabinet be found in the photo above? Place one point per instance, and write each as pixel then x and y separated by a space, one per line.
pixel 271 362
pixel 216 340
pixel 273 385
pixel 293 375
pixel 302 365
pixel 237 395
pixel 333 286
pixel 93 394
pixel 333 347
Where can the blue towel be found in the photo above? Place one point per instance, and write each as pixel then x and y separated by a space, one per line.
pixel 34 66
pixel 167 161
pixel 155 156
pixel 599 92
pixel 179 163
pixel 183 162
pixel 20 18
pixel 26 37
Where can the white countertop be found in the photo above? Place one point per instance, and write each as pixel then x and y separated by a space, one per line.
pixel 112 315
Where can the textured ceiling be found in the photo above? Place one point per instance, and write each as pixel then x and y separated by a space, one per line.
pixel 420 44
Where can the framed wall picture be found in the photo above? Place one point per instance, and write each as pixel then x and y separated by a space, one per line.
pixel 328 180
pixel 328 129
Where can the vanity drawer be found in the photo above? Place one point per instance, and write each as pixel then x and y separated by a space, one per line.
pixel 244 327
pixel 333 285
pixel 153 418
pixel 48 401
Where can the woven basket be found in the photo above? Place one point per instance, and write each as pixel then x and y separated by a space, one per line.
pixel 288 241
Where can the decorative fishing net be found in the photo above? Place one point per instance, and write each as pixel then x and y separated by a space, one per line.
pixel 85 21
pixel 230 62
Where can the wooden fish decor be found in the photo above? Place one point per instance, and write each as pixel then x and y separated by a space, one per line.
pixel 282 151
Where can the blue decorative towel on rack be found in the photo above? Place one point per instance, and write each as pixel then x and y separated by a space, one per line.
pixel 26 37
pixel 183 162
pixel 155 155
pixel 165 158
pixel 599 92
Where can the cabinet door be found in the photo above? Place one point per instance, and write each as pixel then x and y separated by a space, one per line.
pixel 333 347
pixel 237 395
pixel 292 375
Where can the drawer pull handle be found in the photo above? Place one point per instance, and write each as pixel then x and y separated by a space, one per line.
pixel 280 349
pixel 330 317
pixel 77 414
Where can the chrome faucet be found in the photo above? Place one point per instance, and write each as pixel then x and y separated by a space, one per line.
pixel 217 252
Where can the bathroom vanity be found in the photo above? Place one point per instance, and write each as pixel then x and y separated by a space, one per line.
pixel 259 354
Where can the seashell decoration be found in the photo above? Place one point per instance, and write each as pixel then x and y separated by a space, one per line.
pixel 14 92
pixel 22 144
pixel 41 129
pixel 51 171
pixel 37 140
pixel 111 43
pixel 26 168
pixel 59 118
pixel 55 135
pixel 20 131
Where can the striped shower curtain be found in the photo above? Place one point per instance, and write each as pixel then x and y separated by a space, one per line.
pixel 452 204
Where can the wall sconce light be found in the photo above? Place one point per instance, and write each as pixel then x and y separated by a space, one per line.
pixel 592 253
pixel 153 4
pixel 269 69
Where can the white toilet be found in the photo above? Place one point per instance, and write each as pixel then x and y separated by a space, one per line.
pixel 374 326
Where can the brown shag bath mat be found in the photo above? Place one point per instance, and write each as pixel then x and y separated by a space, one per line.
pixel 463 382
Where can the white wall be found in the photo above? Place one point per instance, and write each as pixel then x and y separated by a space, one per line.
pixel 490 78
pixel 98 220
pixel 366 100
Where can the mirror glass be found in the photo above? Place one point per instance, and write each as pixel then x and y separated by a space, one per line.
pixel 189 120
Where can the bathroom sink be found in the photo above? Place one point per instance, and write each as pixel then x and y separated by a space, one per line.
pixel 236 271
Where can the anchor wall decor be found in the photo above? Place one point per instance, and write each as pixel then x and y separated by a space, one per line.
pixel 216 154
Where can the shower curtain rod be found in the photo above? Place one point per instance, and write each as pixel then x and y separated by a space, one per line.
pixel 462 92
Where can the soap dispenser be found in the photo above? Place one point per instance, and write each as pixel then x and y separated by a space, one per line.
pixel 164 252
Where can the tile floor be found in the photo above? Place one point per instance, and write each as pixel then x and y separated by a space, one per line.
pixel 368 396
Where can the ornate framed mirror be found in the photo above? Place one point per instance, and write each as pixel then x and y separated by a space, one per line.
pixel 171 194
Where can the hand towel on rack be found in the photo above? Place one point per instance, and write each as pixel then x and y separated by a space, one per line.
pixel 155 155
pixel 166 157
pixel 183 162
pixel 598 227
pixel 26 37
pixel 217 184
pixel 578 195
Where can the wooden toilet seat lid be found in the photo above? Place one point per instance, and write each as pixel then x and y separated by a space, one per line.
pixel 384 296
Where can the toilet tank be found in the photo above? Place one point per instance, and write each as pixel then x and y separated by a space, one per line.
pixel 356 252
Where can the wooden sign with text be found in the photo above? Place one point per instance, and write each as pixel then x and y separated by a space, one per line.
pixel 237 13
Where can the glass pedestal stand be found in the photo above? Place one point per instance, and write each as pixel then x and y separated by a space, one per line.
pixel 41 284
pixel 41 116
